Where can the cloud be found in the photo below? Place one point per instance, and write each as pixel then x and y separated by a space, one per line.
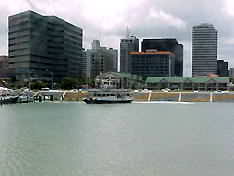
pixel 229 7
pixel 165 18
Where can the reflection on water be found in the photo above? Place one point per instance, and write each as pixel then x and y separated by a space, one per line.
pixel 61 139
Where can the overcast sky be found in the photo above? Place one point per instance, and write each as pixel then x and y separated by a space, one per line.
pixel 107 20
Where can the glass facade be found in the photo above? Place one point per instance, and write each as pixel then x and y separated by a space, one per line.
pixel 171 45
pixel 153 64
pixel 222 68
pixel 127 45
pixel 43 45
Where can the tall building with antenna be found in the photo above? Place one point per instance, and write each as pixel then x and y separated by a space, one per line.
pixel 129 44
pixel 127 32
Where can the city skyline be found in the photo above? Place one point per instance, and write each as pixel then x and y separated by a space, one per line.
pixel 146 19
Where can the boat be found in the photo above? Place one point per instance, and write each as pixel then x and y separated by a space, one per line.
pixel 25 99
pixel 9 99
pixel 108 96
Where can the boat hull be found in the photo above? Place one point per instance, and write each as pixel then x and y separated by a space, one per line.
pixel 9 100
pixel 96 101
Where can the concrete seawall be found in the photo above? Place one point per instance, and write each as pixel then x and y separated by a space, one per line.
pixel 196 97
pixel 167 96
pixel 74 96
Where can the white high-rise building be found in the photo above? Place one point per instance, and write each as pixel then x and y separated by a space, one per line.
pixel 204 50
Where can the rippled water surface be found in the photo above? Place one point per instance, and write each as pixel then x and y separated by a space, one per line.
pixel 74 139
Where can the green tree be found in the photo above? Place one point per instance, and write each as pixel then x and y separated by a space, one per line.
pixel 37 85
pixel 69 83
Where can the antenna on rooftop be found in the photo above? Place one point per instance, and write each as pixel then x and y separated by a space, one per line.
pixel 127 33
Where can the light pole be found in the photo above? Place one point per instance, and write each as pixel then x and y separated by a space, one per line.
pixel 52 80
pixel 29 79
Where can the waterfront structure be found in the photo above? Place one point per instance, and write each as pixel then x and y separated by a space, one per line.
pixel 222 68
pixel 4 67
pixel 166 44
pixel 204 50
pixel 152 63
pixel 41 47
pixel 129 44
pixel 101 59
pixel 115 80
pixel 187 83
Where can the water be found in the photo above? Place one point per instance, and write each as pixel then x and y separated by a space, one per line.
pixel 74 139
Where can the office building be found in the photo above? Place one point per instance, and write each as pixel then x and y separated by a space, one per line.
pixel 43 46
pixel 222 68
pixel 167 44
pixel 116 80
pixel 153 63
pixel 101 59
pixel 204 50
pixel 96 44
pixel 231 72
pixel 114 53
pixel 4 67
pixel 130 44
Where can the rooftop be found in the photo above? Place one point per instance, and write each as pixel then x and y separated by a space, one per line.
pixel 187 79
pixel 152 53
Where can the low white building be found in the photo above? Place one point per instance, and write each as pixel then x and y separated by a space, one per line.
pixel 115 80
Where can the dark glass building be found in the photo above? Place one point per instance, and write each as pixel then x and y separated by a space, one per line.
pixel 127 45
pixel 43 46
pixel 171 45
pixel 222 68
pixel 4 67
pixel 153 64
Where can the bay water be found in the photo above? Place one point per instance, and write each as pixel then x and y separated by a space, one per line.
pixel 139 139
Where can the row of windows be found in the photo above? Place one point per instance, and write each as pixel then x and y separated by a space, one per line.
pixel 20 45
pixel 69 44
pixel 19 37
pixel 150 61
pixel 15 49
pixel 73 41
pixel 18 22
pixel 73 37
pixel 204 44
pixel 76 32
pixel 19 29
pixel 19 50
pixel 52 31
